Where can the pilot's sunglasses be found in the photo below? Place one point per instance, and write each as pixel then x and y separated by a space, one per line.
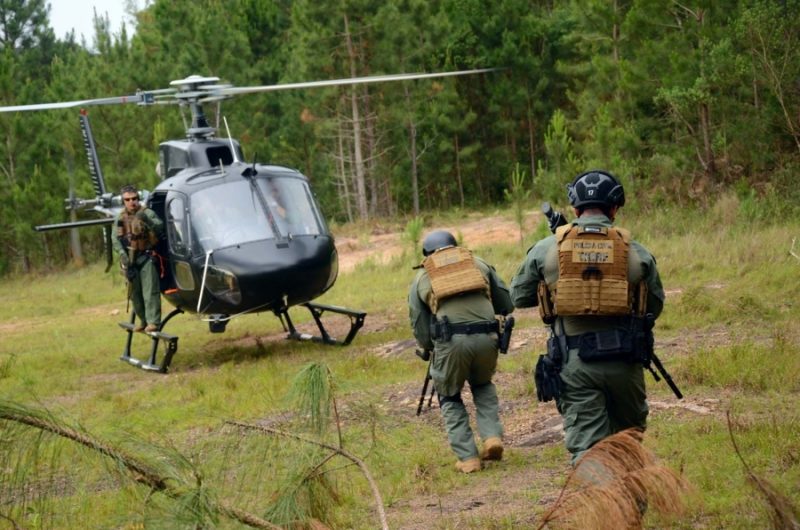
pixel 129 199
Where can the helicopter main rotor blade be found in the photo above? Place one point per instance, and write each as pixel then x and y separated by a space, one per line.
pixel 197 89
pixel 339 82
pixel 141 98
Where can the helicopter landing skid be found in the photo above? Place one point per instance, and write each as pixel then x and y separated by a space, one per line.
pixel 151 365
pixel 356 322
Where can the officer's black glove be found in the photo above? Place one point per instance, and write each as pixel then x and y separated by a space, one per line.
pixel 131 273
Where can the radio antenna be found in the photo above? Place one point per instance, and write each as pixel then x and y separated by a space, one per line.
pixel 233 149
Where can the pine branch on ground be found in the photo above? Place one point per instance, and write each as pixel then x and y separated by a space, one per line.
pixel 783 514
pixel 188 493
pixel 614 484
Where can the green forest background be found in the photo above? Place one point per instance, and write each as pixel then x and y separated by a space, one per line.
pixel 681 100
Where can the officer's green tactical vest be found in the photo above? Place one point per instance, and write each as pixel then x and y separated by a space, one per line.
pixel 592 275
pixel 453 271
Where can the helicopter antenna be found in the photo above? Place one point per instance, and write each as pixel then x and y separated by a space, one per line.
pixel 203 283
pixel 233 150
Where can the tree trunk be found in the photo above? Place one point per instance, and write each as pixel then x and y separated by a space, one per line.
pixel 9 169
pixel 361 188
pixel 412 146
pixel 372 157
pixel 532 140
pixel 708 149
pixel 458 171
pixel 345 189
pixel 412 140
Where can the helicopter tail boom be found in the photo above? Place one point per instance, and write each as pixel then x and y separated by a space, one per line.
pixel 91 153
pixel 75 224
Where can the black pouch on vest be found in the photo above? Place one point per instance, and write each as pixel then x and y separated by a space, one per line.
pixel 609 345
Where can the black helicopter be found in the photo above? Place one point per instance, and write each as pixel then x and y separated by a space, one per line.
pixel 240 237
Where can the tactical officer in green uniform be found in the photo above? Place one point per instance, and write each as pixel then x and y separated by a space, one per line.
pixel 138 231
pixel 598 289
pixel 452 306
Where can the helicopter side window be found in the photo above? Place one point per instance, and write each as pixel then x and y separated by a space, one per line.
pixel 219 155
pixel 173 160
pixel 226 215
pixel 291 206
pixel 176 226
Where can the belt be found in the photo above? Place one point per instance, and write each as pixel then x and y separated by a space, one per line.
pixel 443 330
pixel 474 329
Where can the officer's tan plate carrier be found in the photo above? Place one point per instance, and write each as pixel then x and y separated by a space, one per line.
pixel 592 275
pixel 452 271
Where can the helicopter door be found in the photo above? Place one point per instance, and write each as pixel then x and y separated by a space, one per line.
pixel 177 238
pixel 155 202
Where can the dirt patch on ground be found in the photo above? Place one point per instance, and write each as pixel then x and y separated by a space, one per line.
pixel 475 231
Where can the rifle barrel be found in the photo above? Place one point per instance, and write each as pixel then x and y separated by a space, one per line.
pixel 423 393
pixel 666 376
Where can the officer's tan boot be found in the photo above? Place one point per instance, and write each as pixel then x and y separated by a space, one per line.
pixel 469 465
pixel 151 328
pixel 492 449
pixel 138 328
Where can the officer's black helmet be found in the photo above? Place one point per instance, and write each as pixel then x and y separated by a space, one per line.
pixel 436 240
pixel 595 188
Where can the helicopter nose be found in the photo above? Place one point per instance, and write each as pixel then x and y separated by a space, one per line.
pixel 272 273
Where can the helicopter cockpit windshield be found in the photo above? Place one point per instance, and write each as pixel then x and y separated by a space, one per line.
pixel 232 213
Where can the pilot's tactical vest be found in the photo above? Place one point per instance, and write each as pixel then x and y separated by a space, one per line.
pixel 593 272
pixel 453 271
pixel 134 231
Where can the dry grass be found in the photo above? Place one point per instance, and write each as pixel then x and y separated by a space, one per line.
pixel 614 484
pixel 783 513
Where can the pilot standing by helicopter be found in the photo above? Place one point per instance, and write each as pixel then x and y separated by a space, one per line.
pixel 138 231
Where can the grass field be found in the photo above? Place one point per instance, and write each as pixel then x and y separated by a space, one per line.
pixel 728 336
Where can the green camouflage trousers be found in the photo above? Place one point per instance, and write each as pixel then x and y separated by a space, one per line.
pixel 145 292
pixel 600 399
pixel 472 359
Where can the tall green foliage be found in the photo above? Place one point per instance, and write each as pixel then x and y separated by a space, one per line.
pixel 518 197
pixel 562 161
pixel 677 99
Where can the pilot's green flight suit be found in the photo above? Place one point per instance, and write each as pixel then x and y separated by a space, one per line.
pixel 145 290
pixel 464 357
pixel 598 398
